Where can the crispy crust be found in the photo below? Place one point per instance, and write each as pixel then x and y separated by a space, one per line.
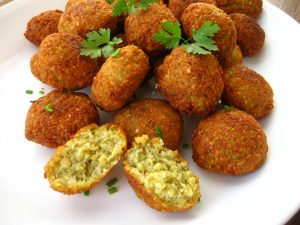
pixel 197 13
pixel 52 129
pixel 119 78
pixel 229 142
pixel 59 64
pixel 250 36
pixel 75 190
pixel 143 116
pixel 247 90
pixel 191 83
pixel 42 25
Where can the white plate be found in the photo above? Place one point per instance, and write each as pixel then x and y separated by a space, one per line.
pixel 269 196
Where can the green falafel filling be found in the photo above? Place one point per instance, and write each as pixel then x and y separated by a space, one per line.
pixel 163 172
pixel 87 156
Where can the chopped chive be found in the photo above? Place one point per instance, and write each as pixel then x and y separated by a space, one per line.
pixel 49 107
pixel 228 108
pixel 112 182
pixel 185 145
pixel 112 190
pixel 42 91
pixel 33 101
pixel 159 132
pixel 29 92
pixel 86 193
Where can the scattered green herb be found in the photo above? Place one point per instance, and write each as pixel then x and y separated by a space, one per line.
pixel 185 145
pixel 158 132
pixel 99 43
pixel 30 92
pixel 202 38
pixel 86 193
pixel 49 107
pixel 42 91
pixel 128 7
pixel 112 190
pixel 228 108
pixel 112 182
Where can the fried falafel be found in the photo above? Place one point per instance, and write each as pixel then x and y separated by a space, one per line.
pixel 250 36
pixel 191 83
pixel 146 116
pixel 236 58
pixel 196 14
pixel 119 78
pixel 247 90
pixel 55 117
pixel 42 25
pixel 59 64
pixel 85 159
pixel 159 176
pixel 229 142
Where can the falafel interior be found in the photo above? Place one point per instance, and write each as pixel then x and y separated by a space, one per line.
pixel 163 174
pixel 85 159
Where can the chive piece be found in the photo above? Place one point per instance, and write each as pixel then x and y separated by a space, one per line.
pixel 30 92
pixel 86 193
pixel 228 108
pixel 112 182
pixel 185 145
pixel 158 132
pixel 49 107
pixel 42 91
pixel 112 190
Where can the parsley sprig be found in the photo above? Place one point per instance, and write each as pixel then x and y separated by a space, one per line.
pixel 98 43
pixel 128 7
pixel 201 41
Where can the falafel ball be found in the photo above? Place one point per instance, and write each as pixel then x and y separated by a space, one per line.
pixel 141 27
pixel 86 16
pixel 236 58
pixel 178 6
pixel 191 83
pixel 251 8
pixel 229 142
pixel 119 78
pixel 58 63
pixel 149 116
pixel 71 3
pixel 56 117
pixel 196 14
pixel 42 25
pixel 247 90
pixel 250 36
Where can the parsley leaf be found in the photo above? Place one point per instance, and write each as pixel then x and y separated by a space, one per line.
pixel 128 7
pixel 170 36
pixel 92 46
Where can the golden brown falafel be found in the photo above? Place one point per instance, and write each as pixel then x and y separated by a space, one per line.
pixel 251 8
pixel 58 63
pixel 55 117
pixel 196 14
pixel 191 83
pixel 159 176
pixel 236 58
pixel 140 28
pixel 85 159
pixel 178 6
pixel 86 16
pixel 71 3
pixel 250 36
pixel 229 142
pixel 42 25
pixel 119 78
pixel 247 90
pixel 146 116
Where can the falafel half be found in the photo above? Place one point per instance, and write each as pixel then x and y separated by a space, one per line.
pixel 229 142
pixel 85 159
pixel 159 176
pixel 67 113
pixel 147 116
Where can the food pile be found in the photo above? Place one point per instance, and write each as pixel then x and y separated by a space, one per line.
pixel 194 50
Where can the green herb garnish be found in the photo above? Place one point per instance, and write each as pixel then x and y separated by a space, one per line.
pixel 185 145
pixel 228 108
pixel 202 38
pixel 112 190
pixel 128 7
pixel 158 132
pixel 112 182
pixel 42 91
pixel 30 92
pixel 86 193
pixel 99 43
pixel 49 107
